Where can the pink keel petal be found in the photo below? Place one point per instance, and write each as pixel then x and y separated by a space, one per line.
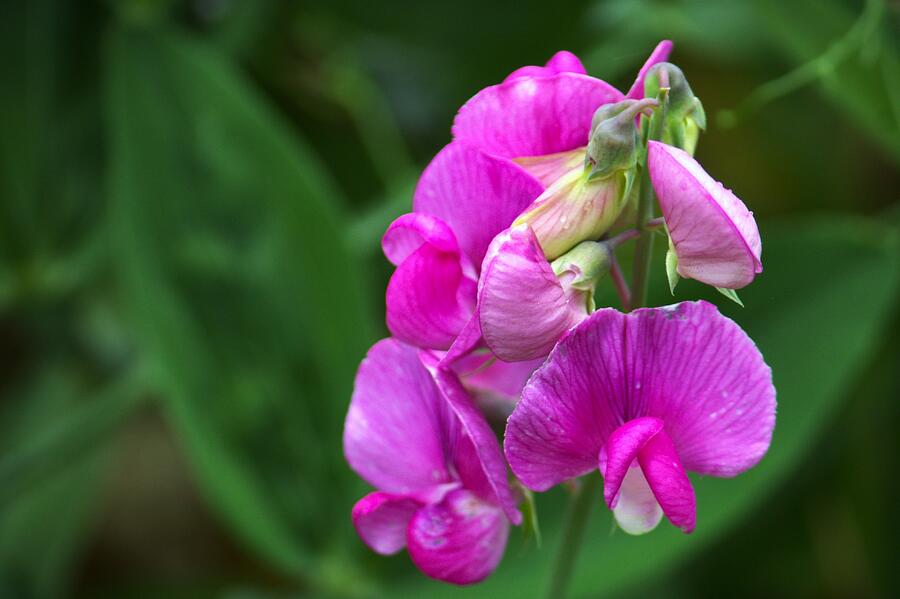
pixel 523 306
pixel 645 440
pixel 659 54
pixel 394 431
pixel 715 236
pixel 477 195
pixel 531 116
pixel 561 62
pixel 381 519
pixel 460 540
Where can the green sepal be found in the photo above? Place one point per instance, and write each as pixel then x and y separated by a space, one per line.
pixel 731 294
pixel 672 267
pixel 530 526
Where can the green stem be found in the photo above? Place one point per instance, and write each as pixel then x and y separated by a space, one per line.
pixel 643 250
pixel 572 535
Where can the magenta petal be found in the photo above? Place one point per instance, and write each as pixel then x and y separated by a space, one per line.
pixel 429 300
pixel 483 469
pixel 503 379
pixel 531 116
pixel 669 482
pixel 621 450
pixel 686 365
pixel 523 306
pixel 460 540
pixel 477 195
pixel 561 62
pixel 704 377
pixel 659 54
pixel 394 433
pixel 381 519
pixel 715 237
pixel 570 405
pixel 410 231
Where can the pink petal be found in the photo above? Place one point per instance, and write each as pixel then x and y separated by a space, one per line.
pixel 460 540
pixel 645 440
pixel 549 168
pixel 502 379
pixel 381 519
pixel 561 62
pixel 523 306
pixel 621 450
pixel 668 481
pixel 531 116
pixel 477 195
pixel 410 231
pixel 482 469
pixel 394 433
pixel 659 54
pixel 429 299
pixel 715 236
pixel 686 365
pixel 705 378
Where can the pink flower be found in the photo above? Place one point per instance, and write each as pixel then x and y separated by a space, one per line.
pixel 413 432
pixel 645 397
pixel 714 236
pixel 540 118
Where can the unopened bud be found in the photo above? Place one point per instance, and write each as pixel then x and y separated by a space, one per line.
pixel 685 117
pixel 582 267
pixel 614 139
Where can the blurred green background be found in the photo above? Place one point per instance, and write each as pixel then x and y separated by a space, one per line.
pixel 191 199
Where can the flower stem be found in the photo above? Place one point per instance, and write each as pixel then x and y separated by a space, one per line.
pixel 572 535
pixel 621 285
pixel 643 250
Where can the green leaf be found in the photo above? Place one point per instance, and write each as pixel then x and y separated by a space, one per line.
pixel 245 299
pixel 851 267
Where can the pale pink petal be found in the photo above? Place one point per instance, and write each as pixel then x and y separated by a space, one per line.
pixel 381 519
pixel 394 432
pixel 482 469
pixel 659 54
pixel 561 62
pixel 477 195
pixel 524 307
pixel 636 511
pixel 460 540
pixel 531 116
pixel 715 237
pixel 502 379
pixel 548 169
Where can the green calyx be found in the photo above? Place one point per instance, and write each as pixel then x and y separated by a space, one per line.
pixel 586 263
pixel 614 140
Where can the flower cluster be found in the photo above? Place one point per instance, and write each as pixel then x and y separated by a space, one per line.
pixel 492 313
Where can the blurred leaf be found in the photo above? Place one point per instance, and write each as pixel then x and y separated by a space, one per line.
pixel 244 295
pixel 864 85
pixel 43 518
pixel 829 287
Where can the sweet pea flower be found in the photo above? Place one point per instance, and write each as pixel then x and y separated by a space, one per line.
pixel 413 432
pixel 714 237
pixel 540 118
pixel 645 397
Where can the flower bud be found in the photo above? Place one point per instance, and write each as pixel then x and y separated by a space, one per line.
pixel 614 138
pixel 685 117
pixel 581 267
